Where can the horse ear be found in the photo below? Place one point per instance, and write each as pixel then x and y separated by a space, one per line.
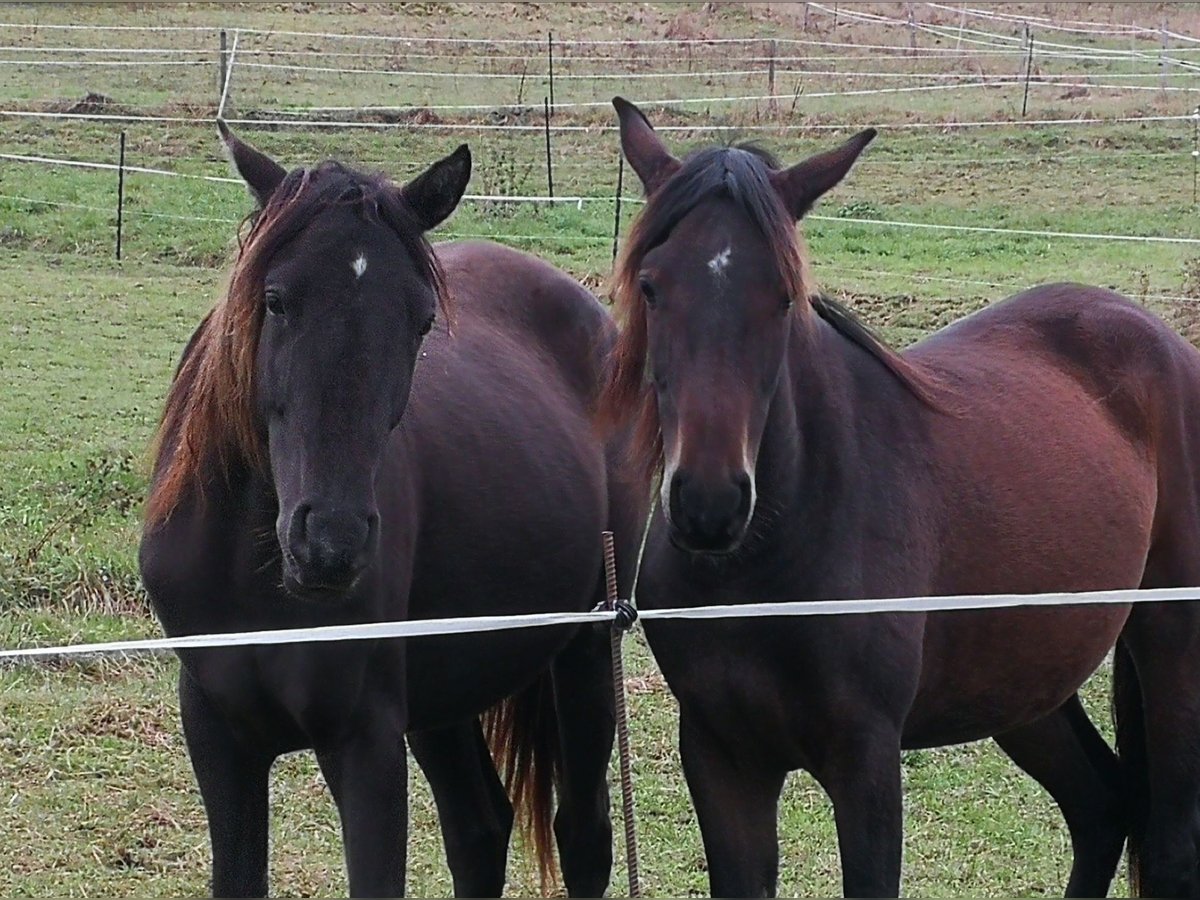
pixel 643 148
pixel 261 173
pixel 804 183
pixel 435 193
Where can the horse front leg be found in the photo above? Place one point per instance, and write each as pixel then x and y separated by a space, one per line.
pixel 367 774
pixel 860 772
pixel 737 805
pixel 232 776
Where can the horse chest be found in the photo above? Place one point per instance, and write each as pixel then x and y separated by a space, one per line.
pixel 773 688
pixel 719 679
pixel 295 696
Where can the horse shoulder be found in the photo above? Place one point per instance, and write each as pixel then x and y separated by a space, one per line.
pixel 205 552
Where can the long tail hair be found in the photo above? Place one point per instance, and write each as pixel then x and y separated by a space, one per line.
pixel 1131 748
pixel 522 734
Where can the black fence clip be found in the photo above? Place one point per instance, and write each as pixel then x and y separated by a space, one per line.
pixel 626 615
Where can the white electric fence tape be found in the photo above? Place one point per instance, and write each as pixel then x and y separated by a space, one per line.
pixel 477 624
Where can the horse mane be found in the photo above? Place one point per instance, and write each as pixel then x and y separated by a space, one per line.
pixel 209 422
pixel 921 382
pixel 741 173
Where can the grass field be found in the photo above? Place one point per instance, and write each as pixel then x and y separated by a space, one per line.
pixel 100 797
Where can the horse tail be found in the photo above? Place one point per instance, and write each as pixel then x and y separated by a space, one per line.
pixel 522 733
pixel 1131 748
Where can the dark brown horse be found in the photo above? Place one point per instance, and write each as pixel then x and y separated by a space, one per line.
pixel 1048 443
pixel 368 429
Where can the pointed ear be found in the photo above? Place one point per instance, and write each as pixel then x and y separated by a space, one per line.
pixel 643 148
pixel 804 183
pixel 261 173
pixel 435 193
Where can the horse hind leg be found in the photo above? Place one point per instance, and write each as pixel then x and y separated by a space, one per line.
pixel 473 808
pixel 1066 755
pixel 584 706
pixel 585 710
pixel 1160 684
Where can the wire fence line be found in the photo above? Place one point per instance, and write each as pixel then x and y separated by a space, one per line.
pixel 250 46
pixel 1097 29
pixel 993 38
pixel 581 199
pixel 736 65
pixel 781 127
pixel 1092 28
pixel 781 70
pixel 571 165
pixel 960 82
pixel 925 53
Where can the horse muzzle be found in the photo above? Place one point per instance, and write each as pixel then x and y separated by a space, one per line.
pixel 709 517
pixel 327 550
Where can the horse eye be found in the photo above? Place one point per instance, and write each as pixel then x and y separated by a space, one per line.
pixel 425 329
pixel 274 303
pixel 648 293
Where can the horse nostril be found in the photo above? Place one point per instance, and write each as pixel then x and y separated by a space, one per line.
pixel 679 480
pixel 330 546
pixel 745 484
pixel 298 530
pixel 675 495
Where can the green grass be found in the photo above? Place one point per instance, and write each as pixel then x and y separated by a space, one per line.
pixel 101 799
pixel 102 802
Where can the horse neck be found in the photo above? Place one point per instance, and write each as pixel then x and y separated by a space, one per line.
pixel 825 455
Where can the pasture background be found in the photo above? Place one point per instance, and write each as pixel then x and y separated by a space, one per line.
pixel 99 796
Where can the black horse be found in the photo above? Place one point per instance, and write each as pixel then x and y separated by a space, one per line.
pixel 335 451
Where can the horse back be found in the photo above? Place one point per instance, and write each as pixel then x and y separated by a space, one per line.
pixel 1118 353
pixel 521 297
pixel 1078 428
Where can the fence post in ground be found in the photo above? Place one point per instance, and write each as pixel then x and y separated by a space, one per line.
pixel 228 75
pixel 771 51
pixel 550 60
pixel 222 66
pixel 962 23
pixel 806 18
pixel 1195 150
pixel 1162 60
pixel 549 166
pixel 617 204
pixel 1028 68
pixel 624 757
pixel 120 193
pixel 912 31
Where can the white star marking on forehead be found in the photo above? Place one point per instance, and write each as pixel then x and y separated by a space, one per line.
pixel 359 265
pixel 719 263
